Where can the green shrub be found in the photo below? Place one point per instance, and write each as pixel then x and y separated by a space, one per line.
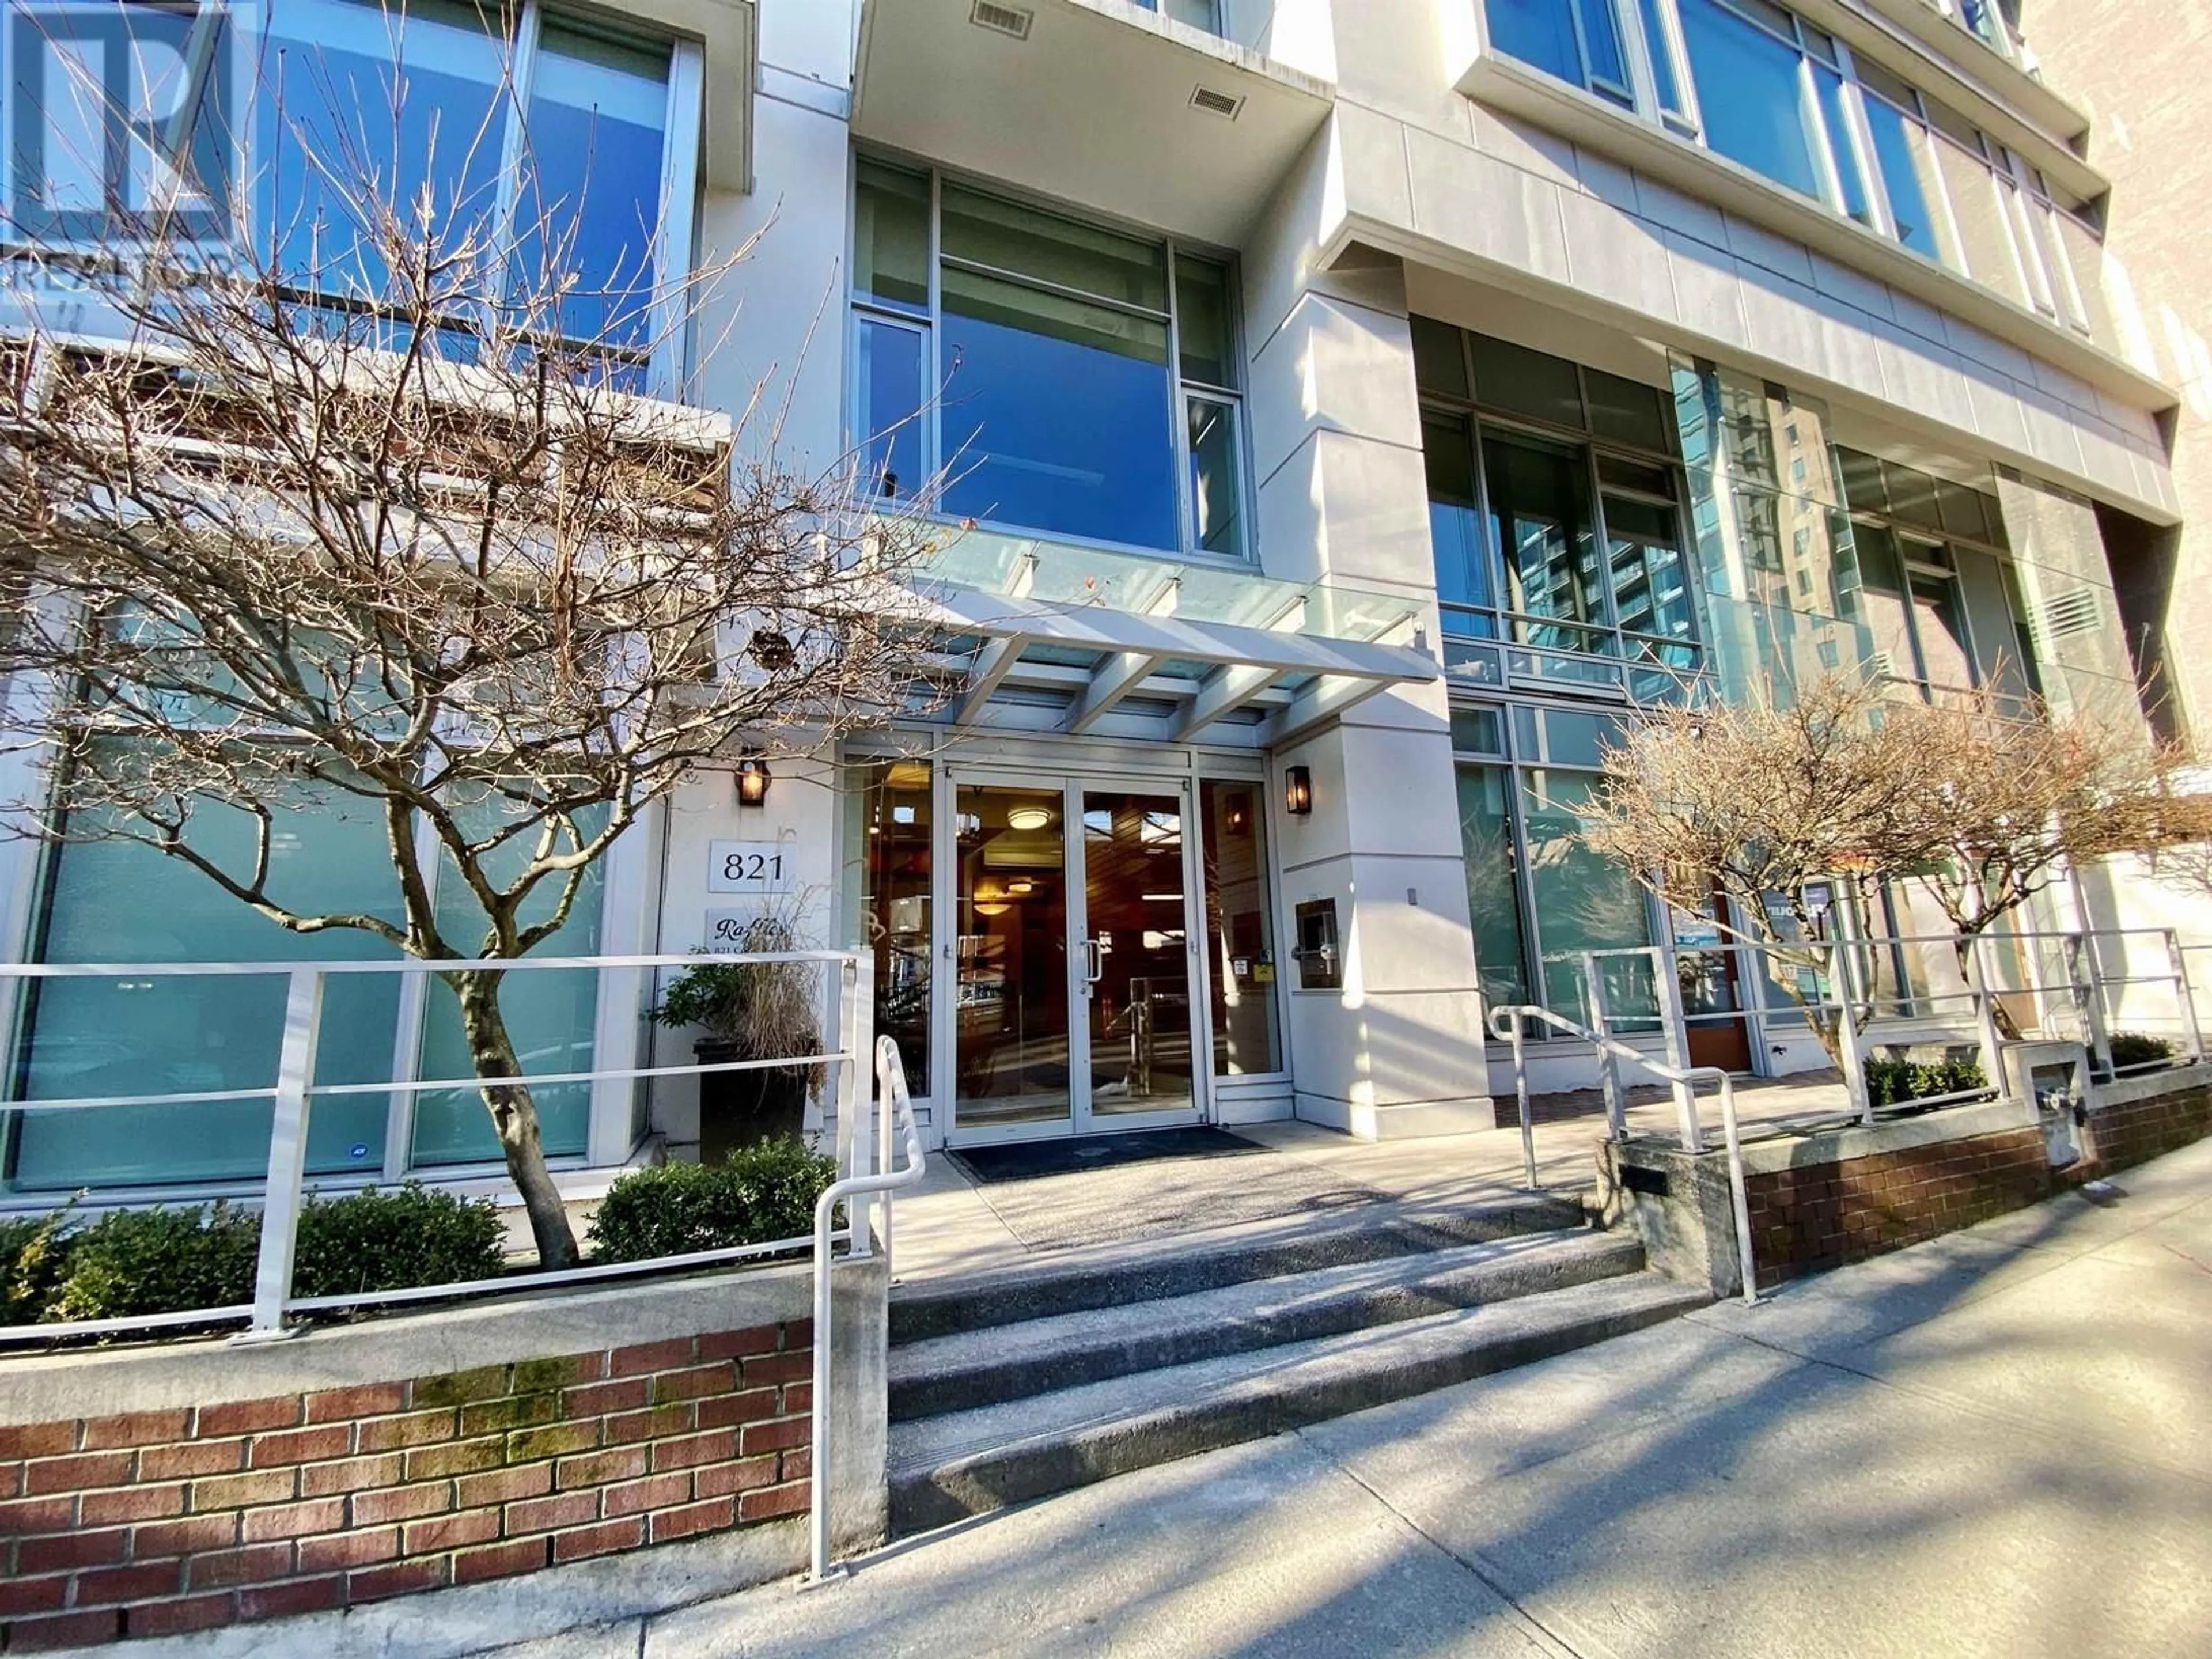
pixel 1892 1081
pixel 762 1193
pixel 2139 1049
pixel 379 1241
pixel 30 1255
pixel 149 1261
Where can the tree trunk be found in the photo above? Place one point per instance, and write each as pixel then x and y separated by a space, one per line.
pixel 514 1114
pixel 2007 1027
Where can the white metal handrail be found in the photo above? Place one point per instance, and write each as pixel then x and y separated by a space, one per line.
pixel 283 1194
pixel 894 1109
pixel 1612 1051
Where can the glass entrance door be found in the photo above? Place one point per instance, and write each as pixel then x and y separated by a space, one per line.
pixel 1070 957
pixel 1137 944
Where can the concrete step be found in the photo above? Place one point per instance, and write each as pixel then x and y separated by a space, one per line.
pixel 947 1467
pixel 998 1363
pixel 1112 1276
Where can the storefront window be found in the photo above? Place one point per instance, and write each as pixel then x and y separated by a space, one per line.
pixel 1240 930
pixel 894 908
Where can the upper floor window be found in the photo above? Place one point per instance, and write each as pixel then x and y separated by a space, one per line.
pixel 545 162
pixel 1554 513
pixel 1044 372
pixel 1755 82
pixel 1199 13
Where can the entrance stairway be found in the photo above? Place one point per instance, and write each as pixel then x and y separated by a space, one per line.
pixel 1018 1382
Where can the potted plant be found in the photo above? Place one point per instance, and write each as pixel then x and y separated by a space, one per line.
pixel 748 1010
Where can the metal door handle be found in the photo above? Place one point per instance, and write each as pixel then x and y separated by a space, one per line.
pixel 1094 965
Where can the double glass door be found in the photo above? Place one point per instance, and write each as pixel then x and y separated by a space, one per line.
pixel 1071 956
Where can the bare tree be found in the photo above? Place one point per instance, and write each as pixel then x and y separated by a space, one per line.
pixel 285 554
pixel 1786 809
pixel 1981 802
pixel 2009 800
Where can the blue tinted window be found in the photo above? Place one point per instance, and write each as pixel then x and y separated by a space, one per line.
pixel 1057 414
pixel 352 95
pixel 589 200
pixel 1663 77
pixel 888 362
pixel 1747 89
pixel 1855 200
pixel 1602 42
pixel 1455 531
pixel 1539 32
pixel 1894 149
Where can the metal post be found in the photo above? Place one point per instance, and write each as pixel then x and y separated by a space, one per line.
pixel 1979 985
pixel 1666 975
pixel 2089 998
pixel 1739 1193
pixel 1847 1030
pixel 856 1148
pixel 2185 995
pixel 1608 1064
pixel 1521 1095
pixel 288 1156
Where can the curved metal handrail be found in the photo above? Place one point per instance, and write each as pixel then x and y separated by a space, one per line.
pixel 896 1107
pixel 1693 1141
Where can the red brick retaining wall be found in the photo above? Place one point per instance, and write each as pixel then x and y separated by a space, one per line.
pixel 1823 1215
pixel 167 1520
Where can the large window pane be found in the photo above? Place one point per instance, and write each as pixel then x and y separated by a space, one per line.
pixel 1943 634
pixel 1665 81
pixel 1651 589
pixel 1057 413
pixel 114 902
pixel 1856 202
pixel 1540 519
pixel 1217 480
pixel 1507 376
pixel 1902 150
pixel 1206 336
pixel 1749 92
pixel 1005 236
pixel 1493 899
pixel 589 201
pixel 550 1013
pixel 888 370
pixel 895 909
pixel 890 236
pixel 1583 902
pixel 1463 558
pixel 353 94
pixel 1240 929
pixel 1602 43
pixel 1538 32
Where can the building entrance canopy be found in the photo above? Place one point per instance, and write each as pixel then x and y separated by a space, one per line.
pixel 1083 640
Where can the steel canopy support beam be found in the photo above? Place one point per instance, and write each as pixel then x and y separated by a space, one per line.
pixel 1113 679
pixel 992 665
pixel 1225 689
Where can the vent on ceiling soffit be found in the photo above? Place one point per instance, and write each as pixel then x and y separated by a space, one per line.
pixel 1010 21
pixel 1216 103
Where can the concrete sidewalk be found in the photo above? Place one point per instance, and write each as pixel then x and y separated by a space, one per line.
pixel 1998 1444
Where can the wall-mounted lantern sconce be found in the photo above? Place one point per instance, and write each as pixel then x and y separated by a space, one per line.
pixel 753 779
pixel 1297 791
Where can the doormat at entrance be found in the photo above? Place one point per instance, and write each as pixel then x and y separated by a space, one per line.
pixel 1027 1159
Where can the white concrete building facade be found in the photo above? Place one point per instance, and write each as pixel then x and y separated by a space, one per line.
pixel 1343 414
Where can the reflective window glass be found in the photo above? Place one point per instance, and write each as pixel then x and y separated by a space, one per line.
pixel 1057 413
pixel 1856 202
pixel 1217 479
pixel 1462 557
pixel 1206 337
pixel 588 201
pixel 1528 382
pixel 413 102
pixel 888 368
pixel 1665 81
pixel 1005 236
pixel 1650 588
pixel 1602 43
pixel 1493 899
pixel 1584 901
pixel 1902 151
pixel 1540 521
pixel 1240 929
pixel 1748 89
pixel 1438 362
pixel 895 907
pixel 1945 659
pixel 1627 411
pixel 1538 32
pixel 890 236
pixel 1477 732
